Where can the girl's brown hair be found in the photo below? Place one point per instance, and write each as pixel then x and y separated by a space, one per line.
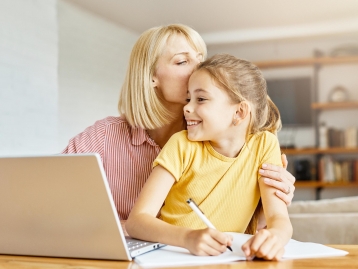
pixel 243 81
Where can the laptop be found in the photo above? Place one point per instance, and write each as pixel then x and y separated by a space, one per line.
pixel 61 206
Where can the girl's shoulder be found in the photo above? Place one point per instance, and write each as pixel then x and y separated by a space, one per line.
pixel 264 137
pixel 181 140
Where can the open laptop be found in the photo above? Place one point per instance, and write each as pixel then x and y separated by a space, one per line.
pixel 61 206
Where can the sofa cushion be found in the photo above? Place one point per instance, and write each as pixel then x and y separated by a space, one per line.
pixel 336 205
pixel 325 228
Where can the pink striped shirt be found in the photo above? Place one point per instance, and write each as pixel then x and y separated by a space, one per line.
pixel 127 154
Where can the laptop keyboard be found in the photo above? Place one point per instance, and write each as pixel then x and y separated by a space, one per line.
pixel 136 244
pixel 137 247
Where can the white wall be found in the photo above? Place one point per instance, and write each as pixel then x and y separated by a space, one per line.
pixel 329 77
pixel 93 58
pixel 28 76
pixel 61 69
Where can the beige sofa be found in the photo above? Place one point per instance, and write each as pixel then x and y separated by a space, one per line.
pixel 328 221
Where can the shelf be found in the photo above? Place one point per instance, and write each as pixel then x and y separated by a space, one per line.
pixel 307 151
pixel 340 105
pixel 316 63
pixel 315 184
pixel 307 62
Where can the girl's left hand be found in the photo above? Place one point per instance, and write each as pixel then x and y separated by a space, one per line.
pixel 279 178
pixel 264 244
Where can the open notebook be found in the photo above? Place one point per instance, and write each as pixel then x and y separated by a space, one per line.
pixel 176 256
pixel 61 206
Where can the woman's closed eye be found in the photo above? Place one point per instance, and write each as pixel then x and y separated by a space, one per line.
pixel 182 62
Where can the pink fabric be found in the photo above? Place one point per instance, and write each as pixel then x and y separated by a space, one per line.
pixel 127 154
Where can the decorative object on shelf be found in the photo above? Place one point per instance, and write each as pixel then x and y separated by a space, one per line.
pixel 338 94
pixel 323 135
pixel 302 170
pixel 345 50
pixel 318 53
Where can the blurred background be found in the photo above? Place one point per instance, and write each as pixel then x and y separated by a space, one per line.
pixel 62 63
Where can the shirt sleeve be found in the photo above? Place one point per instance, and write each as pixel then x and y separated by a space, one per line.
pixel 175 155
pixel 91 140
pixel 271 153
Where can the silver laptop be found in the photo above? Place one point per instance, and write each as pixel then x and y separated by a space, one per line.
pixel 61 206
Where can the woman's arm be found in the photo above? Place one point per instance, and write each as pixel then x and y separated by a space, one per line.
pixel 269 243
pixel 143 224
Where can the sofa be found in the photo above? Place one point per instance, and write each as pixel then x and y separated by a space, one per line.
pixel 327 221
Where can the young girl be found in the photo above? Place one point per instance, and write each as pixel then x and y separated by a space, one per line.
pixel 231 127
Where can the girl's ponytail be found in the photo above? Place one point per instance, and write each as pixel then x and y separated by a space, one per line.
pixel 273 122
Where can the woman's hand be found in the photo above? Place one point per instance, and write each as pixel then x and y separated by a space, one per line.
pixel 207 242
pixel 279 178
pixel 264 244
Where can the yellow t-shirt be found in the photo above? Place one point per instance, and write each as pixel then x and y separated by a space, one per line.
pixel 226 189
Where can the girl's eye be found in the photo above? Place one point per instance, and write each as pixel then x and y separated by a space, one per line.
pixel 187 100
pixel 201 99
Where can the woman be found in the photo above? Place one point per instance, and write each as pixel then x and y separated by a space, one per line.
pixel 151 102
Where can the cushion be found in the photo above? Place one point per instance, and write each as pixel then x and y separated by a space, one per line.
pixel 336 205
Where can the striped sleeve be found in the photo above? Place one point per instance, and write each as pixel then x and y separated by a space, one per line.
pixel 91 140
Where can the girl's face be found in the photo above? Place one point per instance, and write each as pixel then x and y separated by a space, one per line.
pixel 174 68
pixel 209 112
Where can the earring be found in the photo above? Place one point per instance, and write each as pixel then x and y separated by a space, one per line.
pixel 235 121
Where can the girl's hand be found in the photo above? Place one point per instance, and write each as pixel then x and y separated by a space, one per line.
pixel 263 244
pixel 279 178
pixel 207 242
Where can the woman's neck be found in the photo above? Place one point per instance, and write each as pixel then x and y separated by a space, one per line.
pixel 162 135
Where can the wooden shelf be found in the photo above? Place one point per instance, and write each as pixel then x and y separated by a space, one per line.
pixel 308 151
pixel 315 184
pixel 340 105
pixel 316 63
pixel 307 62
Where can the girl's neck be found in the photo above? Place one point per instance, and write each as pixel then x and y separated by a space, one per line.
pixel 234 140
pixel 229 148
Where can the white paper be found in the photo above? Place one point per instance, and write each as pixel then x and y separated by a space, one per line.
pixel 176 256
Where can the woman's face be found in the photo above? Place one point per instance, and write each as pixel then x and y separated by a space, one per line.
pixel 174 68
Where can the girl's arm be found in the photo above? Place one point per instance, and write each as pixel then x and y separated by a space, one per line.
pixel 279 178
pixel 143 224
pixel 269 243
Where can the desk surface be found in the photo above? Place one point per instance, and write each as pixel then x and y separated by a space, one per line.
pixel 349 261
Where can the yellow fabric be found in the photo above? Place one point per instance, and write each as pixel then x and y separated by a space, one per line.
pixel 226 189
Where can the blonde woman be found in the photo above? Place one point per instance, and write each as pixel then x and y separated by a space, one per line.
pixel 151 106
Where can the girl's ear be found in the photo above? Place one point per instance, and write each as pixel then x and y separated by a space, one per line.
pixel 243 109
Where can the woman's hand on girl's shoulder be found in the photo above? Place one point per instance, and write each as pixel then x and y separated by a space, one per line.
pixel 207 242
pixel 264 244
pixel 279 178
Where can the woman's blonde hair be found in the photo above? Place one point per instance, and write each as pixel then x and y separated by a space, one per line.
pixel 243 81
pixel 138 99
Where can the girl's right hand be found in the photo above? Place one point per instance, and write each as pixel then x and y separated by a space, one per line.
pixel 207 242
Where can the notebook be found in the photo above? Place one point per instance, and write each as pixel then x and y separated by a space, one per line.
pixel 61 206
